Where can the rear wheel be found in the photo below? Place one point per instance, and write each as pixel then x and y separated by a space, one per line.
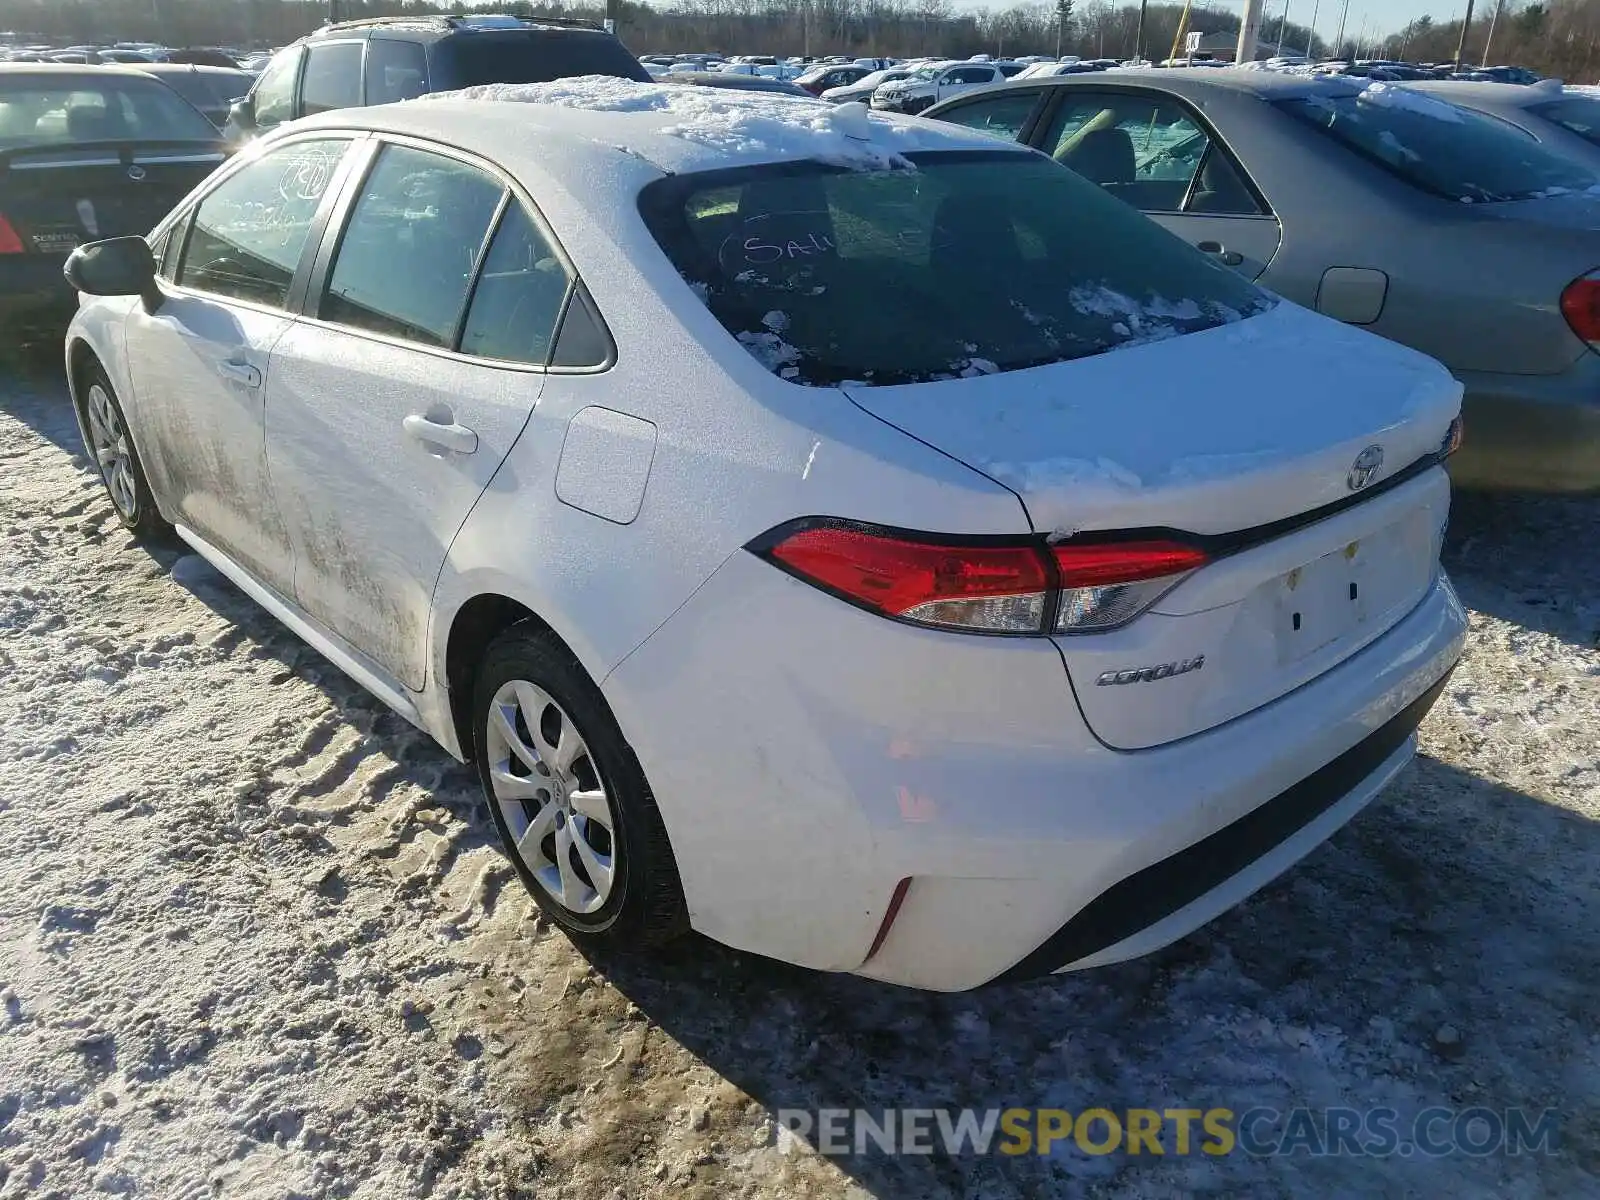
pixel 570 799
pixel 111 448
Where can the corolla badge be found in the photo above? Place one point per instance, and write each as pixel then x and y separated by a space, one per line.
pixel 1365 468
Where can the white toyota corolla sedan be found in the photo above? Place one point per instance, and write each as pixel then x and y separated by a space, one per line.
pixel 859 540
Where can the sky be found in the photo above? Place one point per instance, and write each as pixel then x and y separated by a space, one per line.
pixel 1381 16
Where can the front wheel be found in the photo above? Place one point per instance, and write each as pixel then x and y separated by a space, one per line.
pixel 111 447
pixel 569 798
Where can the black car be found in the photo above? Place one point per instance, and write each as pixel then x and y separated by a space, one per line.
pixel 819 79
pixel 87 153
pixel 213 90
pixel 384 59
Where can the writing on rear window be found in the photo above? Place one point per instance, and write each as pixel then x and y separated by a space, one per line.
pixel 972 263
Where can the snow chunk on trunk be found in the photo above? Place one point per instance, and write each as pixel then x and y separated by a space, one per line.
pixel 740 124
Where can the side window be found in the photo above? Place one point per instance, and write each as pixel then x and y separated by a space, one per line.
pixel 1144 150
pixel 274 91
pixel 249 232
pixel 519 294
pixel 972 75
pixel 407 256
pixel 395 70
pixel 1219 189
pixel 332 77
pixel 1003 115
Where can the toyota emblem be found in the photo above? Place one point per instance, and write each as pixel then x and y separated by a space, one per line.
pixel 137 173
pixel 1365 468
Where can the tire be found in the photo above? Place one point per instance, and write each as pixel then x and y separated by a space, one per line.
pixel 529 695
pixel 111 449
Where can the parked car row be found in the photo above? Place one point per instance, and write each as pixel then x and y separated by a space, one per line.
pixel 1007 489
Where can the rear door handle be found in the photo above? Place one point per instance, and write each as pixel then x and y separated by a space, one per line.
pixel 457 439
pixel 239 372
pixel 1231 257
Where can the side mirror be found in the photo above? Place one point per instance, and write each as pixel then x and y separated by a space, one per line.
pixel 121 266
pixel 242 113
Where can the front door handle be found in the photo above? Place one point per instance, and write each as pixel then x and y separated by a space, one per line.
pixel 457 439
pixel 1231 258
pixel 239 372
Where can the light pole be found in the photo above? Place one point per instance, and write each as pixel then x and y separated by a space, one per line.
pixel 1311 34
pixel 1493 21
pixel 1338 42
pixel 1466 27
pixel 1138 37
pixel 1283 27
pixel 1249 29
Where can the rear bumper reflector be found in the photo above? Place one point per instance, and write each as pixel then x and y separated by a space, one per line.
pixel 1158 891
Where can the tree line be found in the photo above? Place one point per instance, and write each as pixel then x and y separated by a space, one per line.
pixel 1560 37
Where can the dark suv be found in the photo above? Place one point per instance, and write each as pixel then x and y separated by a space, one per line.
pixel 377 61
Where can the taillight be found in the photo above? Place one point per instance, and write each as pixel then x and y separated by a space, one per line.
pixel 1103 586
pixel 10 242
pixel 1580 305
pixel 1001 589
pixel 1022 587
pixel 1453 438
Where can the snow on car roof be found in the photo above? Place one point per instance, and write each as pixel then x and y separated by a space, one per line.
pixel 681 128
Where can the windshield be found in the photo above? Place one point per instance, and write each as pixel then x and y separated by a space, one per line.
pixel 48 111
pixel 1440 148
pixel 972 263
pixel 538 57
pixel 925 72
pixel 1575 114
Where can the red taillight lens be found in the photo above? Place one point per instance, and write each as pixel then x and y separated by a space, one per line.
pixel 10 241
pixel 1002 589
pixel 1104 586
pixel 1019 588
pixel 1124 562
pixel 1580 305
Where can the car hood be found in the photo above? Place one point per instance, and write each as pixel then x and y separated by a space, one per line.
pixel 1227 429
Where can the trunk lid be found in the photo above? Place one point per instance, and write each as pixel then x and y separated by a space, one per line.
pixel 60 196
pixel 1222 434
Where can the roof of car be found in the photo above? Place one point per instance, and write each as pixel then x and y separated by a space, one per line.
pixel 674 127
pixel 75 70
pixel 1268 85
pixel 445 26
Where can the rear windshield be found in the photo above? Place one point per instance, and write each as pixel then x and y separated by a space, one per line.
pixel 1575 114
pixel 969 264
pixel 535 57
pixel 38 112
pixel 1439 147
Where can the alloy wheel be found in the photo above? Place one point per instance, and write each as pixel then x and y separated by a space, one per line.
pixel 112 453
pixel 551 797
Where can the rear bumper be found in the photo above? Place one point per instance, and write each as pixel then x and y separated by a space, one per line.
pixel 808 757
pixel 33 281
pixel 1535 433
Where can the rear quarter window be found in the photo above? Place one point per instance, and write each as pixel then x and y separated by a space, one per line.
pixel 972 263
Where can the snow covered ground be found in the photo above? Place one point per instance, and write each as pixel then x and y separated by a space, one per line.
pixel 255 940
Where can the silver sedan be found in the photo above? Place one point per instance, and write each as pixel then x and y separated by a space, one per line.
pixel 1447 230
